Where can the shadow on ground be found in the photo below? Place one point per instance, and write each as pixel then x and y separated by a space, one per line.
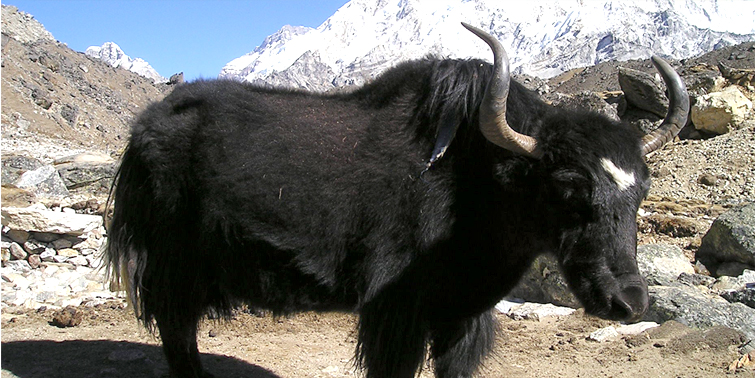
pixel 107 359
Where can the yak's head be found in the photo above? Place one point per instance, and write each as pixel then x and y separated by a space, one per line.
pixel 592 191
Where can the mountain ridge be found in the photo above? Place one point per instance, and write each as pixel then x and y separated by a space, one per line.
pixel 544 39
pixel 113 55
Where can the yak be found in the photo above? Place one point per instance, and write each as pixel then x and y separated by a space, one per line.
pixel 417 201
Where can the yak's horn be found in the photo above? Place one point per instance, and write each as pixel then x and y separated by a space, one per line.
pixel 493 123
pixel 678 109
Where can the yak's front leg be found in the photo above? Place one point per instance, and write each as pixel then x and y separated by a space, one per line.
pixel 458 349
pixel 392 334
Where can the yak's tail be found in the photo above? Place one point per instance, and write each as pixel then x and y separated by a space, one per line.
pixel 148 252
pixel 129 194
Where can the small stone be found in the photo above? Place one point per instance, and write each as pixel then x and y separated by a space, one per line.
pixel 19 266
pixel 34 247
pixel 603 334
pixel 45 237
pixel 18 236
pixel 35 261
pixel 17 252
pixel 707 179
pixel 67 317
pixel 62 243
pixel 636 328
pixel 78 261
pixel 47 255
pixel 68 252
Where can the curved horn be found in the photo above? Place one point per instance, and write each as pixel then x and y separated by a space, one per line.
pixel 493 123
pixel 678 108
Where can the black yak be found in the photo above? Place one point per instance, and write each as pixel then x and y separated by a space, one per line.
pixel 417 201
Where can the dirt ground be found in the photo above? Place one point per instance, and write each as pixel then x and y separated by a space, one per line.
pixel 110 343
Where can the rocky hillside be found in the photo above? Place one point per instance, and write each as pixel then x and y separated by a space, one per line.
pixel 55 99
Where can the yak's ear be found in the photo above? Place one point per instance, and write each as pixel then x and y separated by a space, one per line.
pixel 444 137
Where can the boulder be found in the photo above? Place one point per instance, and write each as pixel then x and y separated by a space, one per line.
pixel 721 112
pixel 92 170
pixel 13 196
pixel 704 82
pixel 729 246
pixel 662 264
pixel 43 182
pixel 14 166
pixel 692 307
pixel 39 219
pixel 585 101
pixel 643 91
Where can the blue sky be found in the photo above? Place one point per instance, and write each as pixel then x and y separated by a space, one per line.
pixel 197 37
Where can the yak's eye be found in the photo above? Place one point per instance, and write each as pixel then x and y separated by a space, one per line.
pixel 571 196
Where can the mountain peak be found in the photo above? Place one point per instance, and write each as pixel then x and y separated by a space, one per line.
pixel 363 38
pixel 113 55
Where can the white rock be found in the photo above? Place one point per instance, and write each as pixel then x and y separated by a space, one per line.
pixel 19 266
pixel 720 112
pixel 79 261
pixel 636 328
pixel 38 220
pixel 603 334
pixel 537 311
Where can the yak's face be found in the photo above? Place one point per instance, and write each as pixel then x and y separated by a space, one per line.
pixel 596 179
pixel 594 207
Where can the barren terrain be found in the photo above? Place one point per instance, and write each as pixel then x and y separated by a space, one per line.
pixel 110 343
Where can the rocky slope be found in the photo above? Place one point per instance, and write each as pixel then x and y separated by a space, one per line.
pixel 55 99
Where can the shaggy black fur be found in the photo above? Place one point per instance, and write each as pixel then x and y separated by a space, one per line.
pixel 291 201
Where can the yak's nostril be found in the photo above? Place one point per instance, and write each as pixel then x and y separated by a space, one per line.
pixel 630 305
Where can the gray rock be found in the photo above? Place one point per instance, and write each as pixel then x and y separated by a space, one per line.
pixel 544 283
pixel 704 82
pixel 731 239
pixel 745 296
pixel 18 236
pixel 691 307
pixel 43 182
pixel 34 247
pixel 45 237
pixel 643 91
pixel 15 165
pixel 21 266
pixel 585 101
pixel 87 170
pixel 662 264
pixel 695 279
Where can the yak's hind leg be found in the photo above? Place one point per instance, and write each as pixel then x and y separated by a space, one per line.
pixel 458 349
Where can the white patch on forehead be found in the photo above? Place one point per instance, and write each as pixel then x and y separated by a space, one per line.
pixel 621 177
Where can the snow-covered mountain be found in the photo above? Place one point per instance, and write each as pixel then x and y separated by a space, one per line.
pixel 112 54
pixel 543 38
